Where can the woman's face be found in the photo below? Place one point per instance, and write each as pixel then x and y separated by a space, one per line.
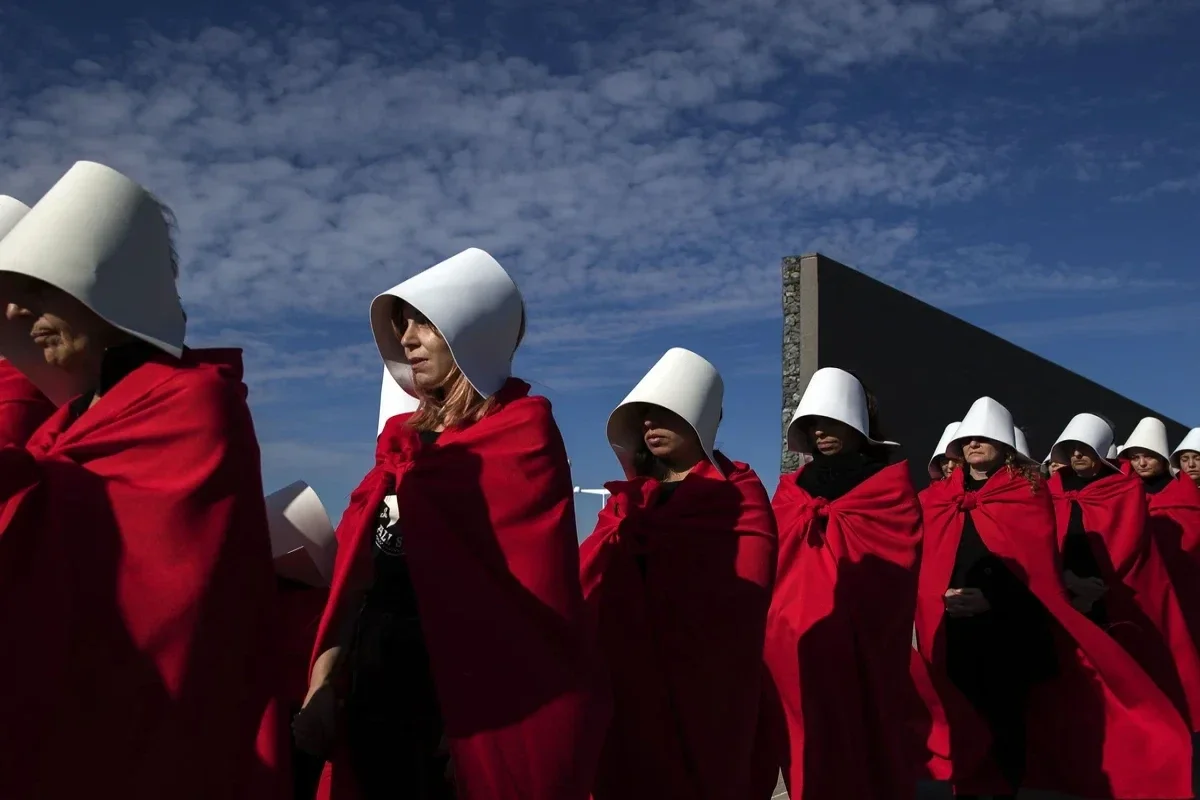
pixel 426 350
pixel 71 336
pixel 1189 464
pixel 948 465
pixel 829 437
pixel 1084 461
pixel 981 454
pixel 1147 465
pixel 670 439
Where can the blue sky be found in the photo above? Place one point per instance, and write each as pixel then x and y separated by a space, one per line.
pixel 1030 165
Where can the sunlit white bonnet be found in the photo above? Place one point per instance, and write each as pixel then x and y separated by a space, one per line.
pixel 476 307
pixel 1190 442
pixel 102 238
pixel 1022 444
pixel 393 401
pixel 298 524
pixel 12 211
pixel 1088 429
pixel 682 382
pixel 986 419
pixel 1149 434
pixel 934 468
pixel 834 394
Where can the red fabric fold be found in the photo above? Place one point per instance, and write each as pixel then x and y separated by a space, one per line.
pixel 1175 527
pixel 137 596
pixel 1099 728
pixel 493 554
pixel 300 612
pixel 839 640
pixel 683 642
pixel 1144 611
pixel 22 407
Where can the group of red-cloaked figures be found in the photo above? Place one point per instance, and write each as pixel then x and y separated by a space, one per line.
pixel 166 631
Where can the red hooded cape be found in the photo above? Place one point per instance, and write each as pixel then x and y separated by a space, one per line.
pixel 494 559
pixel 22 407
pixel 1175 527
pixel 1144 611
pixel 1099 728
pixel 839 640
pixel 683 643
pixel 137 595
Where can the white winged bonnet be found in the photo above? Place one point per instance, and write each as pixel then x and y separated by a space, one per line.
pixel 1022 444
pixel 393 401
pixel 303 543
pixel 681 382
pixel 986 419
pixel 834 394
pixel 1087 429
pixel 1191 442
pixel 12 211
pixel 1150 434
pixel 475 306
pixel 103 239
pixel 935 471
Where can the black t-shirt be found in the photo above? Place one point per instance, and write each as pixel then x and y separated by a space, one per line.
pixel 392 587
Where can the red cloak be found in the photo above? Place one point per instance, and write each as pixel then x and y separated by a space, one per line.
pixel 683 642
pixel 1099 727
pixel 1175 527
pixel 839 640
pixel 137 595
pixel 22 407
pixel 1144 611
pixel 300 613
pixel 494 558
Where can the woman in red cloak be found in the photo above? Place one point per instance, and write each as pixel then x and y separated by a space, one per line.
pixel 303 547
pixel 1186 457
pixel 678 573
pixel 135 568
pixel 1113 567
pixel 1174 504
pixel 1062 706
pixel 455 628
pixel 839 630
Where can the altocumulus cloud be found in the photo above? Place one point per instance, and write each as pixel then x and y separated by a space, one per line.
pixel 607 156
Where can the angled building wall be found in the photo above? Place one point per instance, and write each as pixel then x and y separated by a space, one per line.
pixel 926 366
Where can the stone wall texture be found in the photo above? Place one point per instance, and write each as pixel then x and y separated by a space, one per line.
pixel 836 316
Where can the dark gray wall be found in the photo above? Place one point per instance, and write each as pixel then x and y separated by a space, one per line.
pixel 926 366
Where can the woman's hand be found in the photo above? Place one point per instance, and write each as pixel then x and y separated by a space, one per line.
pixel 315 727
pixel 1089 589
pixel 965 602
pixel 443 749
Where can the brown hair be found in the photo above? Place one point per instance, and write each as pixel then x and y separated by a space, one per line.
pixel 1029 472
pixel 453 402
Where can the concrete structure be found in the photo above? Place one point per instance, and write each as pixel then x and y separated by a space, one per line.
pixel 834 316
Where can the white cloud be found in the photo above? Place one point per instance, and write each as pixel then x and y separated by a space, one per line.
pixel 1160 320
pixel 1188 184
pixel 651 179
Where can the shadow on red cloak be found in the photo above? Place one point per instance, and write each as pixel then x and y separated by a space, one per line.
pixel 1144 610
pixel 23 408
pixel 1100 728
pixel 684 643
pixel 839 643
pixel 136 582
pixel 1175 527
pixel 494 558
